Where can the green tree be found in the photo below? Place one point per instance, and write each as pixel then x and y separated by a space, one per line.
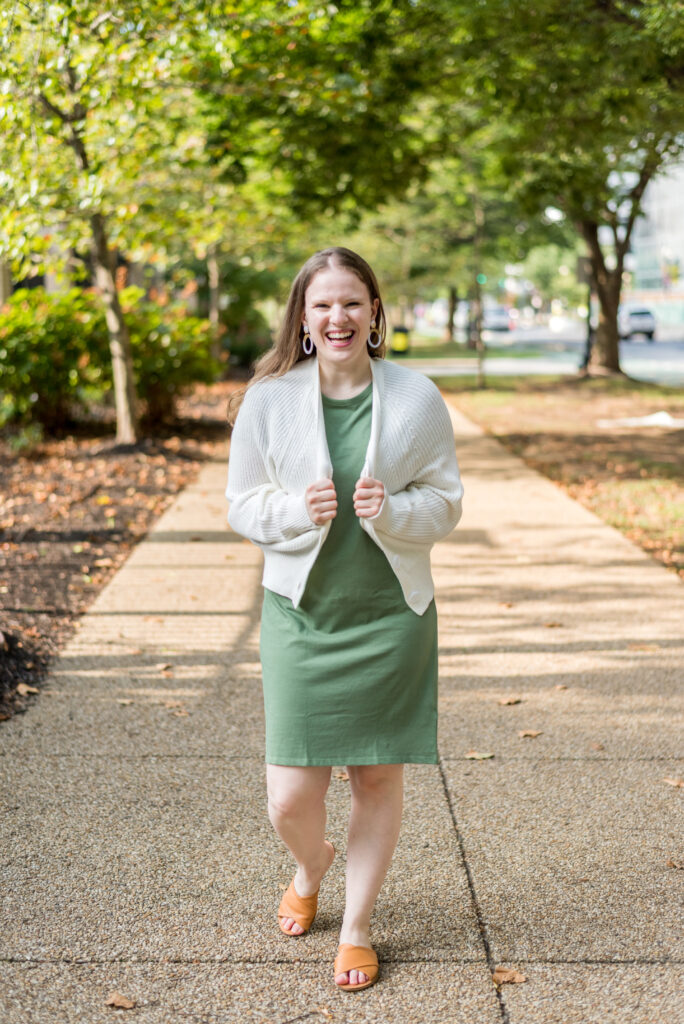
pixel 83 90
pixel 460 225
pixel 593 94
pixel 322 96
pixel 155 129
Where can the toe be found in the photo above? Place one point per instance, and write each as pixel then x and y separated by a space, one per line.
pixel 342 979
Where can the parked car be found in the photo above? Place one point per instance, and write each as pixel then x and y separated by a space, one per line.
pixel 496 318
pixel 636 320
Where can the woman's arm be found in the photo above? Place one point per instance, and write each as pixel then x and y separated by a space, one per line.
pixel 430 506
pixel 259 509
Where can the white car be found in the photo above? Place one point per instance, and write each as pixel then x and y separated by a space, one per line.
pixel 496 318
pixel 636 320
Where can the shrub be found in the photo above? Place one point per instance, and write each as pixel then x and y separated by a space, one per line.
pixel 171 351
pixel 246 340
pixel 50 354
pixel 55 360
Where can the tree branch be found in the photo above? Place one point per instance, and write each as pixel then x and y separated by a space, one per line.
pixel 52 108
pixel 649 168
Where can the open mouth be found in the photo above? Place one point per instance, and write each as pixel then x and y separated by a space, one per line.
pixel 339 339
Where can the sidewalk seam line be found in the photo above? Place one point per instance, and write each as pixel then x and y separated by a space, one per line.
pixel 463 962
pixel 473 895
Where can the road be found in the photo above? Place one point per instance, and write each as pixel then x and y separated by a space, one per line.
pixel 561 351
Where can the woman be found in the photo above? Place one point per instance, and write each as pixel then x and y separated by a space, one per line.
pixel 343 471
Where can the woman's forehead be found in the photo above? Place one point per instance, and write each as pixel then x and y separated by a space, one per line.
pixel 335 282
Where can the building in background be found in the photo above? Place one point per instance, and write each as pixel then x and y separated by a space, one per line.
pixel 657 257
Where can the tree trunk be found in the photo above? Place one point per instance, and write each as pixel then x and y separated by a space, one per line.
pixel 5 283
pixel 605 353
pixel 453 302
pixel 214 278
pixel 476 327
pixel 127 424
pixel 479 219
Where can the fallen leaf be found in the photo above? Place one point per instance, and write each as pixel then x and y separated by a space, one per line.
pixel 598 746
pixel 325 1011
pixel 474 755
pixel 164 668
pixel 679 783
pixel 119 1001
pixel 124 700
pixel 560 686
pixel 510 700
pixel 181 714
pixel 505 976
pixel 532 733
pixel 103 499
pixel 24 688
pixel 505 604
pixel 342 775
pixel 679 864
pixel 553 625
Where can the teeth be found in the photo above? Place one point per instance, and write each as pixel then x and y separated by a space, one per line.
pixel 340 335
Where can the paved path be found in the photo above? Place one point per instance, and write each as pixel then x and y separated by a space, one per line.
pixel 136 851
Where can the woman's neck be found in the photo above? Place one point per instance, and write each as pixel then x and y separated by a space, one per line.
pixel 344 382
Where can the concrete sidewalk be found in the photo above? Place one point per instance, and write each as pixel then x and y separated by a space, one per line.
pixel 137 855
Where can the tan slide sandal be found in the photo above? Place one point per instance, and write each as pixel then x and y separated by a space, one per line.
pixel 356 958
pixel 301 909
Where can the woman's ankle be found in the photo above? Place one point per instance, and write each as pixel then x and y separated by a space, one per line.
pixel 355 932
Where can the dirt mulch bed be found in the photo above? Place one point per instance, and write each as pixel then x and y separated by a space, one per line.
pixel 631 476
pixel 71 511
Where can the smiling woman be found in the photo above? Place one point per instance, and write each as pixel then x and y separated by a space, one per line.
pixel 343 471
pixel 339 316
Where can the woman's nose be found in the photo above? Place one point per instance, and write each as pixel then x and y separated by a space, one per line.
pixel 338 314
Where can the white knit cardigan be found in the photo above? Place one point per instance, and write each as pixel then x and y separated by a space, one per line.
pixel 279 447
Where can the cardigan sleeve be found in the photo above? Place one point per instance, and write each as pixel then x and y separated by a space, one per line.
pixel 260 510
pixel 429 507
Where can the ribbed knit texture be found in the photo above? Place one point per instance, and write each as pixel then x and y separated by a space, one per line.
pixel 279 447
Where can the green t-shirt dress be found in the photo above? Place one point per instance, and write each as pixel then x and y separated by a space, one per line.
pixel 349 677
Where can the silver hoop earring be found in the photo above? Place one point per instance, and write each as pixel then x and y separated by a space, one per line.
pixel 378 337
pixel 307 343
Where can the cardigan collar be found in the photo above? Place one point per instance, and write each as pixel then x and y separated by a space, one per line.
pixel 323 461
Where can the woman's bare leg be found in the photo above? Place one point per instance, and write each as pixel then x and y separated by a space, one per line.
pixel 296 807
pixel 377 793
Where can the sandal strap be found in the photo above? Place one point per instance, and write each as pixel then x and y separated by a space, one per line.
pixel 356 958
pixel 301 909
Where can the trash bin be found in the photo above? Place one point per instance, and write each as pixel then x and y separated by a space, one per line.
pixel 400 343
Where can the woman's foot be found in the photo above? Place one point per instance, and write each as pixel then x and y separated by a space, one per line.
pixel 308 882
pixel 355 937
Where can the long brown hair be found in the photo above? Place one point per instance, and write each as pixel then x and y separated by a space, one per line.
pixel 287 350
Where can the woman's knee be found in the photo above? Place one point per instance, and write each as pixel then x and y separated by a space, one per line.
pixel 375 779
pixel 292 792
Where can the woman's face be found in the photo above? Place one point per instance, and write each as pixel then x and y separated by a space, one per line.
pixel 338 312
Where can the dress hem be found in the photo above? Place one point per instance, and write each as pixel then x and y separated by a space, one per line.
pixel 327 762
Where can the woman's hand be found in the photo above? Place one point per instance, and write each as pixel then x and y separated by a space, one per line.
pixel 321 501
pixel 368 497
